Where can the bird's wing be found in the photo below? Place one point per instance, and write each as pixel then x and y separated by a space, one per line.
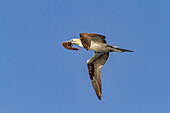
pixel 86 39
pixel 94 66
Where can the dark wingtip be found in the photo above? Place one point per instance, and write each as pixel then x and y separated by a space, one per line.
pixel 99 96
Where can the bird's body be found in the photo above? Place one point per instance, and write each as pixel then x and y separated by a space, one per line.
pixel 97 43
pixel 97 46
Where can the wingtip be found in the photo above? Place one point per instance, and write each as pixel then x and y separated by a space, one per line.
pixel 99 96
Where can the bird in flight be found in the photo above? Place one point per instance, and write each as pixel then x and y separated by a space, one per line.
pixel 98 44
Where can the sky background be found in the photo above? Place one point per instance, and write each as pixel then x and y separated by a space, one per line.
pixel 38 75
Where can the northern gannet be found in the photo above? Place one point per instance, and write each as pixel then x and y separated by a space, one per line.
pixel 97 43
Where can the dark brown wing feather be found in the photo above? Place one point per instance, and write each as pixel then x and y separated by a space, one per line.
pixel 85 40
pixel 94 66
pixel 87 37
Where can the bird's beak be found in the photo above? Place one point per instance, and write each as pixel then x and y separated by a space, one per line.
pixel 68 45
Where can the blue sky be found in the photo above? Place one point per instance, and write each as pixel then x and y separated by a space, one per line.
pixel 38 75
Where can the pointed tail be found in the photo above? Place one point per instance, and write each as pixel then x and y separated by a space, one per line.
pixel 116 49
pixel 122 50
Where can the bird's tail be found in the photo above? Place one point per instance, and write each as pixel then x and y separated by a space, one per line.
pixel 116 49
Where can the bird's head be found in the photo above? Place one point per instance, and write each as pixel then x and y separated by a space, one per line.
pixel 75 41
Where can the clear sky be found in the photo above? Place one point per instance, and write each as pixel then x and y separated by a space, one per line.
pixel 38 75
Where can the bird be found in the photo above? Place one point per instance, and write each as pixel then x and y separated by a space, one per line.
pixel 97 43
